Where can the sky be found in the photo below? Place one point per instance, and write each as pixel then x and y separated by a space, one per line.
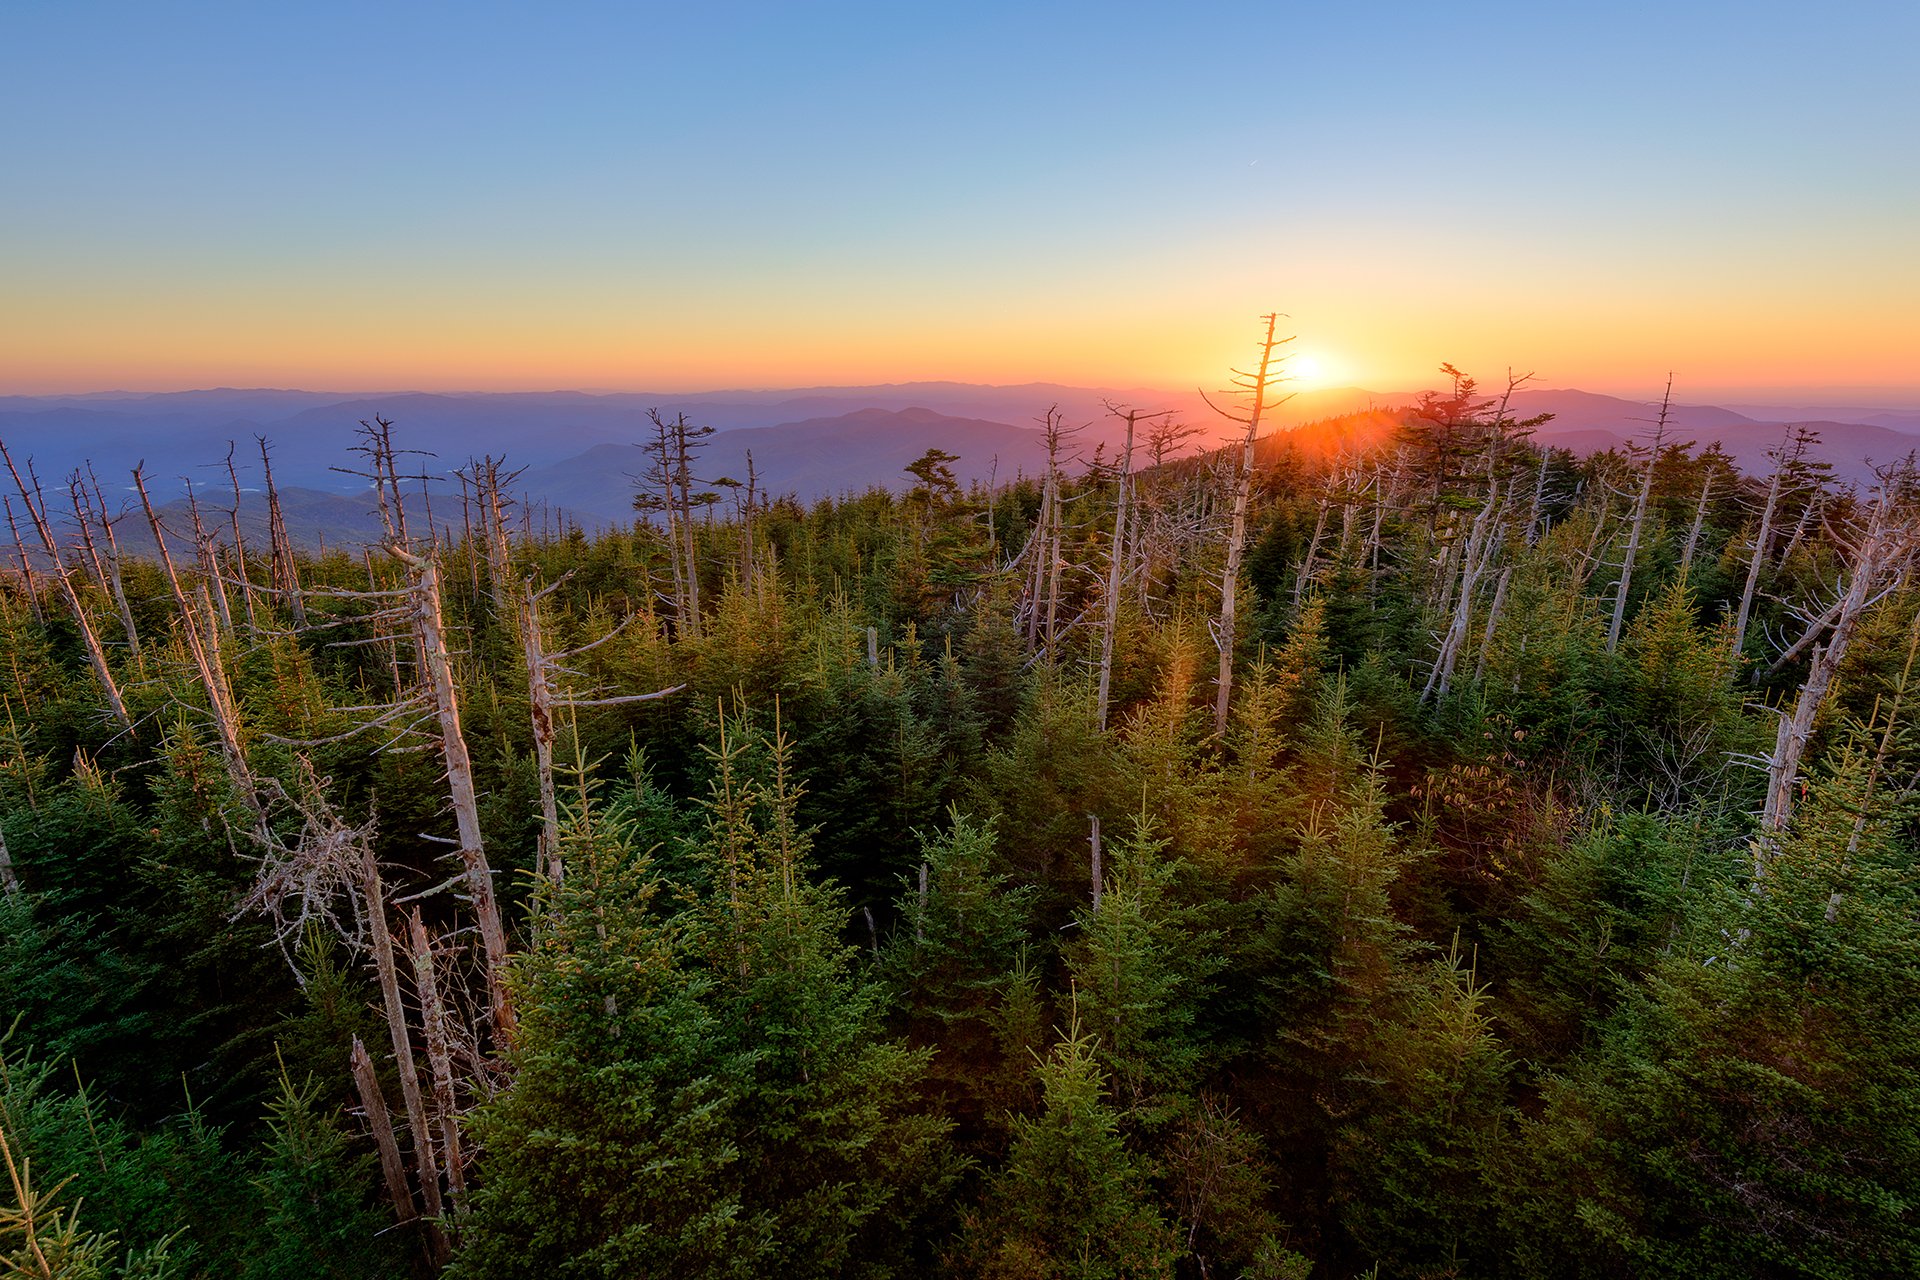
pixel 484 196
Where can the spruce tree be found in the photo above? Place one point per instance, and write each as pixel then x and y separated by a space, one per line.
pixel 615 1151
pixel 1072 1202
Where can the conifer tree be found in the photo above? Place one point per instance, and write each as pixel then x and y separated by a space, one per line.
pixel 833 1158
pixel 1749 1111
pixel 1141 967
pixel 1072 1201
pixel 615 1152
pixel 314 1217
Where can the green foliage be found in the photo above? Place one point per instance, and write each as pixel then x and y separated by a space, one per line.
pixel 822 907
pixel 1413 1176
pixel 1142 968
pixel 1750 1109
pixel 315 1218
pixel 725 1047
pixel 619 1067
pixel 1071 1201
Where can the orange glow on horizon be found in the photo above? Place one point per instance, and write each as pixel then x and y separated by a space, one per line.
pixel 78 342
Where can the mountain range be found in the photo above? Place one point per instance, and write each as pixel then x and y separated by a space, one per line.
pixel 579 453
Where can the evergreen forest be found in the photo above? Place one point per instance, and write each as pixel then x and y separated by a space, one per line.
pixel 1379 848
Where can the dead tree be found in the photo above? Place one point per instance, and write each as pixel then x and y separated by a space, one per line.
pixel 545 699
pixel 1485 537
pixel 1699 523
pixel 1049 563
pixel 1639 519
pixel 673 491
pixel 490 484
pixel 35 504
pixel 201 635
pixel 106 564
pixel 1304 574
pixel 1878 550
pixel 435 1023
pixel 392 1171
pixel 205 548
pixel 1786 473
pixel 1257 389
pixel 657 496
pixel 111 557
pixel 327 877
pixel 426 1163
pixel 240 571
pixel 283 568
pixel 27 583
pixel 422 606
pixel 1117 556
pixel 430 635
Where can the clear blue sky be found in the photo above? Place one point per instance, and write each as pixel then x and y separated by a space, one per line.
pixel 490 194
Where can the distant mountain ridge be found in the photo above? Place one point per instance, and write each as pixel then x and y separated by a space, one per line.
pixel 578 448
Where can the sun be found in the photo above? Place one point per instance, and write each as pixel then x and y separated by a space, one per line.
pixel 1311 370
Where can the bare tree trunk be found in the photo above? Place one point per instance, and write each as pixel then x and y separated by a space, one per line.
pixel 26 565
pixel 1116 563
pixel 1591 556
pixel 499 549
pixel 1473 558
pixel 670 508
pixel 1809 516
pixel 203 647
pixel 283 568
pixel 683 477
pixel 1876 555
pixel 114 580
pixel 545 699
pixel 1257 386
pixel 426 1164
pixel 1761 540
pixel 1639 521
pixel 433 1019
pixel 430 631
pixel 1096 863
pixel 9 881
pixel 240 546
pixel 540 700
pixel 367 1084
pixel 203 543
pixel 81 518
pixel 1372 554
pixel 1538 507
pixel 62 577
pixel 1699 522
pixel 1057 563
pixel 1493 620
pixel 1305 574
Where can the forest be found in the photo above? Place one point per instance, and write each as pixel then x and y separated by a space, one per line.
pixel 1379 848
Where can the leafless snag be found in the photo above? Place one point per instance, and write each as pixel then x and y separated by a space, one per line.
pixel 35 503
pixel 545 698
pixel 1639 518
pixel 430 634
pixel 1879 549
pixel 284 569
pixel 201 635
pixel 27 584
pixel 1118 551
pixel 1257 389
pixel 1788 474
